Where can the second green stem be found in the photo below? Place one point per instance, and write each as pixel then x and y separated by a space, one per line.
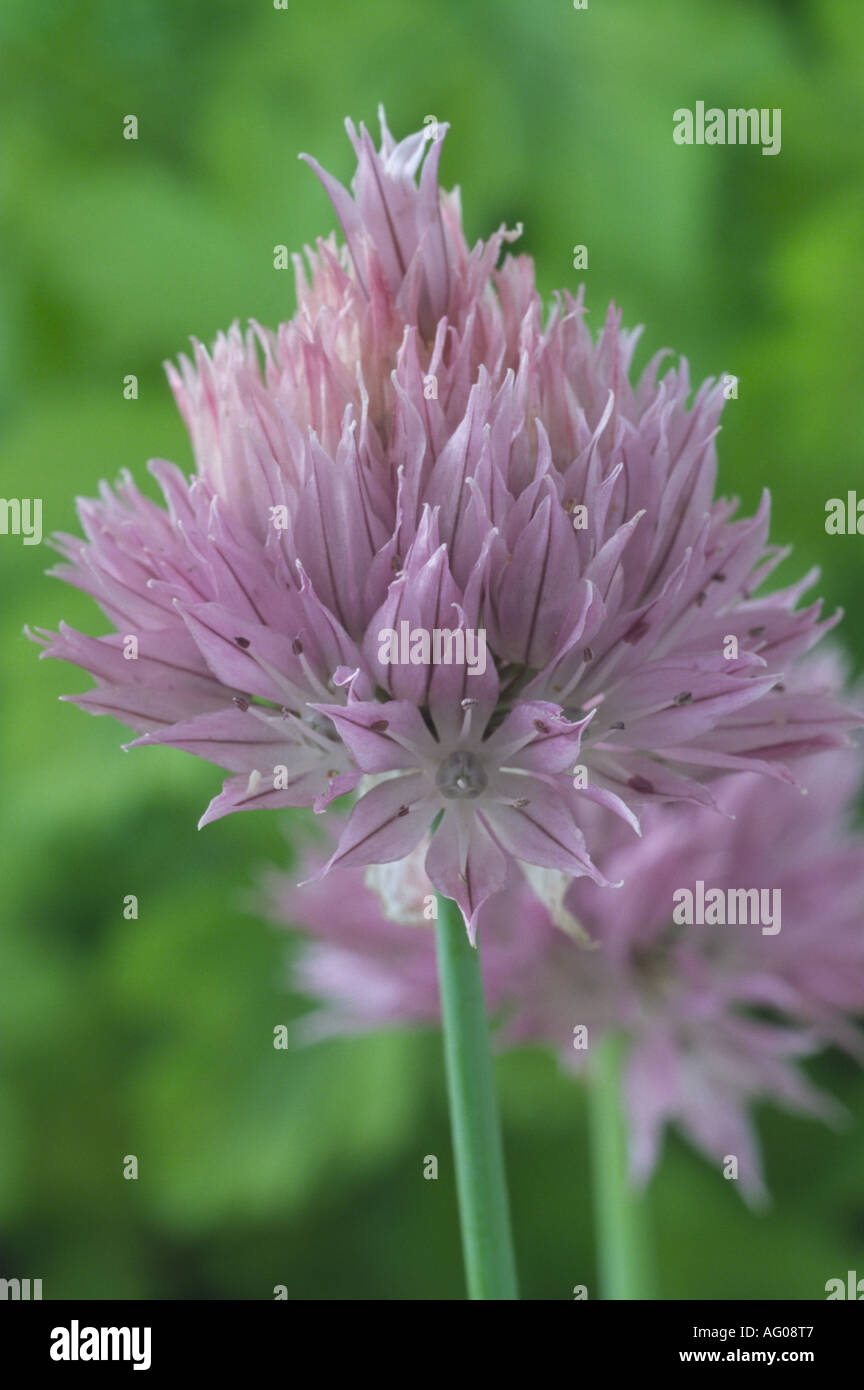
pixel 620 1216
pixel 478 1151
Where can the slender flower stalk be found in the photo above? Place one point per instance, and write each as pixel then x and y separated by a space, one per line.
pixel 490 1267
pixel 620 1211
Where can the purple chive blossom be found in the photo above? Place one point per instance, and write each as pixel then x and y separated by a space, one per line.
pixel 690 1001
pixel 420 443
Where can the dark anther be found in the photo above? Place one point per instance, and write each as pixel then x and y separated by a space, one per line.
pixel 380 726
pixel 685 698
pixel 242 642
pixel 636 632
pixel 296 646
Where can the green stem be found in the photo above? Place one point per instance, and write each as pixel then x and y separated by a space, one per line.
pixel 621 1233
pixel 487 1244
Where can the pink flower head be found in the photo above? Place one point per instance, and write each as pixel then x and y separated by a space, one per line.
pixel 715 1017
pixel 419 445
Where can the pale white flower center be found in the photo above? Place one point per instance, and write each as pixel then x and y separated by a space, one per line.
pixel 461 776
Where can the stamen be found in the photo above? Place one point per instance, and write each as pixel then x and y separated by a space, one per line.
pixel 468 706
pixel 315 683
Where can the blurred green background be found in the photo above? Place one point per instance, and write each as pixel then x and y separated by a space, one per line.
pixel 154 1037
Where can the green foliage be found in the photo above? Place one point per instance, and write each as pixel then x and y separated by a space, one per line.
pixel 154 1037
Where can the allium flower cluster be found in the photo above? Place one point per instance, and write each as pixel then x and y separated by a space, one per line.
pixel 421 444
pixel 714 1017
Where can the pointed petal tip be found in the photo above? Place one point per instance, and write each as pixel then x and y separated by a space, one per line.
pixel 316 877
